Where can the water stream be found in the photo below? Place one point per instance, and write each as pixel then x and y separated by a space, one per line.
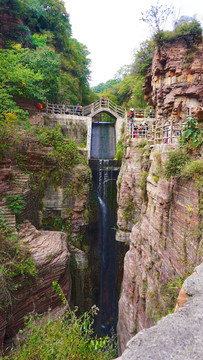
pixel 104 174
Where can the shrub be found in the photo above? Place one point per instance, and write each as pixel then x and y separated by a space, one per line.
pixel 193 133
pixel 70 337
pixel 120 149
pixel 175 162
pixel 15 203
pixel 143 183
pixel 194 170
pixel 15 260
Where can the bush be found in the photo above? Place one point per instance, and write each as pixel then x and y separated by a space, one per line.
pixel 175 162
pixel 70 337
pixel 65 152
pixel 194 170
pixel 15 263
pixel 193 133
pixel 120 149
pixel 15 203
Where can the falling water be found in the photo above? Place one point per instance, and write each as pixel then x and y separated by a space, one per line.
pixel 104 173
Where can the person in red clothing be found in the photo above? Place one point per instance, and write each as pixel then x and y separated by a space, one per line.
pixel 40 106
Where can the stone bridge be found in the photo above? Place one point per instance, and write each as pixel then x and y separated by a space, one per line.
pixel 76 121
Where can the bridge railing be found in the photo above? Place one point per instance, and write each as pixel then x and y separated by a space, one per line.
pixel 165 133
pixel 86 110
pixel 104 104
pixel 63 109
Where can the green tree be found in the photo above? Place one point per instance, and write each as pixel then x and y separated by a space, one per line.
pixel 189 29
pixel 143 57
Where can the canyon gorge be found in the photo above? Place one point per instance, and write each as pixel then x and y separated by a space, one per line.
pixel 159 220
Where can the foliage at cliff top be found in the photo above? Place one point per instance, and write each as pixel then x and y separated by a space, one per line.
pixel 126 87
pixel 40 60
pixel 186 29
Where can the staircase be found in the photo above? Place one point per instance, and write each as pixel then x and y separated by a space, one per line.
pixel 21 186
pixel 7 216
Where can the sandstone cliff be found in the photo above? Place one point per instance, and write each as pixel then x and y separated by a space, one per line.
pixel 38 193
pixel 165 238
pixel 176 336
pixel 175 85
pixel 36 295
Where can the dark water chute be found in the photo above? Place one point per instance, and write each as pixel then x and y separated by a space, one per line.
pixel 105 174
pixel 103 140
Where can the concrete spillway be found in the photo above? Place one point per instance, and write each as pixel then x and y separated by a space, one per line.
pixel 103 143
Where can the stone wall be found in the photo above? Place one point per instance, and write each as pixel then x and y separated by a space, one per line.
pixel 79 128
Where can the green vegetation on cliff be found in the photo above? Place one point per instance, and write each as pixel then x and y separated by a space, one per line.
pixel 16 264
pixel 126 88
pixel 39 59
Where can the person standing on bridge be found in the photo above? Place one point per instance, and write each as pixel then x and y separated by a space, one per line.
pixel 103 101
pixel 77 109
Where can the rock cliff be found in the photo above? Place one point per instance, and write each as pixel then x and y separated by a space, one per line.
pixel 165 237
pixel 36 295
pixel 52 203
pixel 176 336
pixel 175 85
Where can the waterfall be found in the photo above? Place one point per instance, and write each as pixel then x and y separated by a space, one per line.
pixel 104 173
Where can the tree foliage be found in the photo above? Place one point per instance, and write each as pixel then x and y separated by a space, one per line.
pixel 143 57
pixel 40 60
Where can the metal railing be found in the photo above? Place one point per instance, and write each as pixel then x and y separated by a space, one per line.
pixel 86 110
pixel 165 133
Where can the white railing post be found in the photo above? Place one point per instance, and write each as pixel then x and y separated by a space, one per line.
pixel 171 132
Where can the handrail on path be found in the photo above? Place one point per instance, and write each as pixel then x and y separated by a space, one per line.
pixel 165 133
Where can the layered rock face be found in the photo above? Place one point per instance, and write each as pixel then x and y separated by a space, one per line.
pixel 176 336
pixel 165 243
pixel 51 255
pixel 175 85
pixel 65 202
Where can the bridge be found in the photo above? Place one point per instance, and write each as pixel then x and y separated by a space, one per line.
pixel 91 110
pixel 76 120
pixel 147 129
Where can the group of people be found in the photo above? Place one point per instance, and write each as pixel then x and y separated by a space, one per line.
pixel 140 114
pixel 78 110
pixel 138 130
pixel 104 101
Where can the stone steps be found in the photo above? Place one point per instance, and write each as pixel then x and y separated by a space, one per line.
pixel 22 180
pixel 8 216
